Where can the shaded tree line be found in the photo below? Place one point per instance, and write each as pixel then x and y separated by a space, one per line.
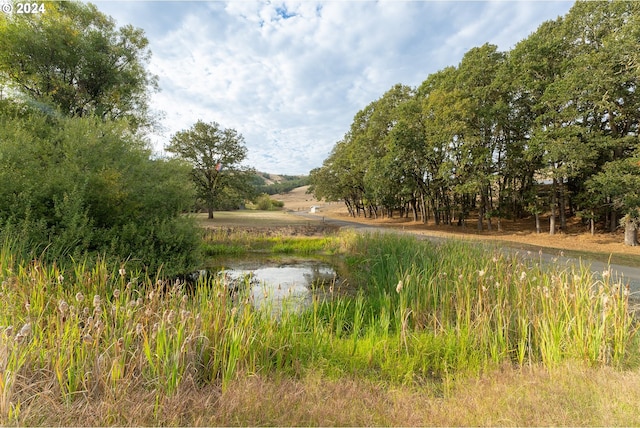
pixel 549 127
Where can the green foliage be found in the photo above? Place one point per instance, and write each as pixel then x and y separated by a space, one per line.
pixel 422 315
pixel 482 137
pixel 162 246
pixel 215 155
pixel 73 186
pixel 225 242
pixel 465 308
pixel 265 203
pixel 97 68
pixel 618 184
pixel 287 184
pixel 76 176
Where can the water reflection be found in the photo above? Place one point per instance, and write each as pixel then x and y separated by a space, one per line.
pixel 283 285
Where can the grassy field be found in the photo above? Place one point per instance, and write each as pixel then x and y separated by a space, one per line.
pixel 255 219
pixel 569 396
pixel 437 335
pixel 305 242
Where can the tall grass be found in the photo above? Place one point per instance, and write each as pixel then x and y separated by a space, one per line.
pixel 471 307
pixel 423 315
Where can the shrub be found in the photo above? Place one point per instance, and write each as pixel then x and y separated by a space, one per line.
pixel 265 203
pixel 78 186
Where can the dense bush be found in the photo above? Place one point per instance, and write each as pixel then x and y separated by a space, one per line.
pixel 265 203
pixel 80 186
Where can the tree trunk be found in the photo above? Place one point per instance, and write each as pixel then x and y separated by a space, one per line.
pixel 414 209
pixel 424 209
pixel 538 227
pixel 349 208
pixel 563 205
pixel 445 216
pixel 613 221
pixel 481 211
pixel 630 231
pixel 554 202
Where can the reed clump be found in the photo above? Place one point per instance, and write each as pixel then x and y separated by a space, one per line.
pixel 424 316
pixel 466 307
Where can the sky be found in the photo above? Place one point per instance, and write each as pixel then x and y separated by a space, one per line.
pixel 291 75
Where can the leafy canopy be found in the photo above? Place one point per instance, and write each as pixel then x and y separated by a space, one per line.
pixel 215 155
pixel 74 58
pixel 81 186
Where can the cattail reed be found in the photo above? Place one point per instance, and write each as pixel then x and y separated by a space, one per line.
pixel 416 312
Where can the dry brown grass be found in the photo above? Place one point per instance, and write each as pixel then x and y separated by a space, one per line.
pixel 575 238
pixel 251 218
pixel 233 224
pixel 299 200
pixel 570 395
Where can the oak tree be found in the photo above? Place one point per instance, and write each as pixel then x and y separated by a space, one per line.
pixel 216 155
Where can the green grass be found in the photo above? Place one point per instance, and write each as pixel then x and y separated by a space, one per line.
pixel 493 308
pixel 424 316
pixel 240 242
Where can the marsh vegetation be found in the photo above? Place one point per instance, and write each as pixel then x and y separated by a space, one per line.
pixel 424 320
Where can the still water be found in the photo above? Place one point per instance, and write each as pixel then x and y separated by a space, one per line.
pixel 284 284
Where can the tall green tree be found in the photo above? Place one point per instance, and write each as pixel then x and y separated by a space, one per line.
pixel 618 184
pixel 406 156
pixel 385 178
pixel 77 177
pixel 443 109
pixel 532 67
pixel 216 155
pixel 341 177
pixel 73 57
pixel 482 143
pixel 603 82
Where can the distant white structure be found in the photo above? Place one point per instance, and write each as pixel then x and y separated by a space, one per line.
pixel 314 209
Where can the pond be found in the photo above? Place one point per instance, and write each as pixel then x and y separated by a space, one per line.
pixel 289 283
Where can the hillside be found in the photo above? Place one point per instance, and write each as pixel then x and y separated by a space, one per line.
pixel 272 184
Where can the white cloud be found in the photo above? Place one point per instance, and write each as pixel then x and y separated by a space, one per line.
pixel 290 76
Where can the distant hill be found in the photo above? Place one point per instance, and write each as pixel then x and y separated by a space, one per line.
pixel 272 184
